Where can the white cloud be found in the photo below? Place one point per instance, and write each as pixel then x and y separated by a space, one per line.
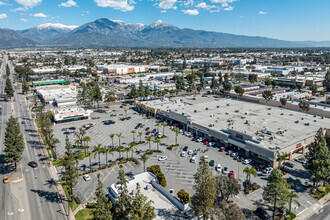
pixel 262 12
pixel 189 2
pixel 167 4
pixel 122 5
pixel 2 16
pixel 163 11
pixel 4 3
pixel 69 3
pixel 191 12
pixel 241 16
pixel 228 8
pixel 225 2
pixel 23 19
pixel 39 15
pixel 206 6
pixel 19 9
pixel 29 3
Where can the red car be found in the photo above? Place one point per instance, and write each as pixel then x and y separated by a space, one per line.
pixel 206 142
pixel 232 174
pixel 222 149
pixel 148 132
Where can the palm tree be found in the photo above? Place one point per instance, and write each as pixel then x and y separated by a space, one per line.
pixel 52 144
pixel 125 110
pixel 86 140
pixel 164 125
pixel 249 171
pixel 157 141
pixel 132 148
pixel 281 157
pixel 176 130
pixel 140 135
pixel 120 135
pixel 97 150
pixel 112 136
pixel 144 159
pixel 149 139
pixel 120 150
pixel 127 149
pixel 133 132
pixel 291 197
pixel 157 125
pixel 105 150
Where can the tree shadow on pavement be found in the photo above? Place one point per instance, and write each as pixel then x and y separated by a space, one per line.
pixel 297 185
pixel 49 196
pixel 4 167
pixel 51 182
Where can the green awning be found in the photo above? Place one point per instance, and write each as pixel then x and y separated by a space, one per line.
pixel 74 117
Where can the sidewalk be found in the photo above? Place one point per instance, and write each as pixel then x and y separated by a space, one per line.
pixel 313 208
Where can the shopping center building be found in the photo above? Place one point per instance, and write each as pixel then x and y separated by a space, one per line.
pixel 256 131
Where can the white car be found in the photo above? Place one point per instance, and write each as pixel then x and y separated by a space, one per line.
pixel 199 140
pixel 162 158
pixel 247 161
pixel 190 152
pixel 218 167
pixel 183 154
pixel 225 170
pixel 211 144
pixel 86 177
pixel 267 170
pixel 234 154
pixel 193 159
pixel 206 158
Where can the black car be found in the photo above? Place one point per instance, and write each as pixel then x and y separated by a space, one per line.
pixel 33 164
pixel 288 164
pixel 137 127
pixel 147 128
pixel 185 148
pixel 211 163
pixel 129 117
pixel 153 131
pixel 263 214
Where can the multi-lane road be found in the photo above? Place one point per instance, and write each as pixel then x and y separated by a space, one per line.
pixel 36 196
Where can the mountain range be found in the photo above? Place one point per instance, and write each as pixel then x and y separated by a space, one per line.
pixel 105 32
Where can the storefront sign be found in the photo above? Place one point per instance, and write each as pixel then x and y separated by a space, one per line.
pixel 298 145
pixel 239 136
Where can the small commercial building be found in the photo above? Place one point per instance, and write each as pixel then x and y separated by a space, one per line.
pixel 49 82
pixel 121 69
pixel 67 114
pixel 60 96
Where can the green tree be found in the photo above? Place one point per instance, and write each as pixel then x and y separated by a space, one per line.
pixel 111 137
pixel 176 130
pixel 133 93
pixel 14 142
pixel 226 77
pixel 253 78
pixel 25 87
pixel 105 150
pixel 9 88
pixel 304 106
pixel 201 81
pixel 214 83
pixel 164 125
pixel 227 87
pixel 267 95
pixel 225 210
pixel 220 78
pixel 299 86
pixel 70 174
pixel 110 97
pixel 326 82
pixel 123 204
pixel 249 171
pixel 227 187
pixel 53 141
pixel 97 95
pixel 183 196
pixel 141 89
pixel 276 191
pixel 283 101
pixel 97 151
pixel 147 91
pixel 149 139
pixel 157 141
pixel 281 157
pixel 120 135
pixel 144 158
pixel 292 195
pixel 318 158
pixel 103 204
pixel 140 135
pixel 239 90
pixel 205 190
pixel 274 84
pixel 133 132
pixel 141 208
pixel 313 88
pixel 268 82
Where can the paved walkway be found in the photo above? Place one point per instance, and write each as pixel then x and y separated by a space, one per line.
pixel 314 208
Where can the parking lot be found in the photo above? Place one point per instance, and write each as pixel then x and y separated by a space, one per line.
pixel 178 170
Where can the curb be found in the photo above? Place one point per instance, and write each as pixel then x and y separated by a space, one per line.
pixel 17 181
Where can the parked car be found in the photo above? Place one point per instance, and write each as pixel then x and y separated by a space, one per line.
pixel 301 160
pixel 33 164
pixel 247 161
pixel 199 140
pixel 86 177
pixel 147 129
pixel 190 152
pixel 154 130
pixel 229 152
pixel 232 174
pixel 211 144
pixel 185 148
pixel 267 170
pixel 263 214
pixel 148 132
pixel 234 154
pixel 225 170
pixel 193 159
pixel 183 154
pixel 162 158
pixel 218 168
pixel 6 179
pixel 222 149
pixel 206 159
pixel 211 163
pixel 288 164
pixel 206 142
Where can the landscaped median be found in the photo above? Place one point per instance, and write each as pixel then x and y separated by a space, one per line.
pixel 17 181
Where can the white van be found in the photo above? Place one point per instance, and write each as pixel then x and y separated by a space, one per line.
pixel 193 159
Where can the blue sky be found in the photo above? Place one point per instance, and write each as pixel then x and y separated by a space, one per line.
pixel 281 19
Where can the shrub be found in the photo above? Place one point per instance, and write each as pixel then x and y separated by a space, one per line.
pixel 77 200
pixel 91 205
pixel 155 169
pixel 184 197
pixel 321 189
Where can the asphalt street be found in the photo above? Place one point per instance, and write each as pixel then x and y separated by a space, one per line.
pixel 37 191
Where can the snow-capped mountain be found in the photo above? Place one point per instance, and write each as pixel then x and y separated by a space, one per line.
pixel 43 33
pixel 56 26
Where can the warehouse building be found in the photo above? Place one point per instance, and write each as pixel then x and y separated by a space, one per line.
pixel 256 131
pixel 61 96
